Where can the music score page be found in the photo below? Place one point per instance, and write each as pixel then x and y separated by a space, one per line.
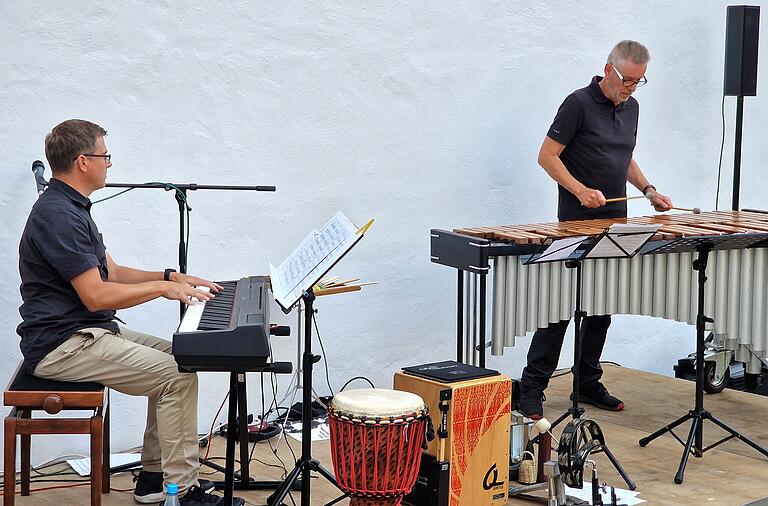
pixel 312 258
pixel 621 240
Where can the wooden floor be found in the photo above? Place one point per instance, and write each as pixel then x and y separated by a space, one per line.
pixel 732 474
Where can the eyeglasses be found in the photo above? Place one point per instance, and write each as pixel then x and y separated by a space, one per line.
pixel 627 82
pixel 107 158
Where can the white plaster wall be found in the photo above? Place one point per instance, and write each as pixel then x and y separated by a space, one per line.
pixel 419 114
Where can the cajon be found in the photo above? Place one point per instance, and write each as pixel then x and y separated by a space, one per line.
pixel 477 418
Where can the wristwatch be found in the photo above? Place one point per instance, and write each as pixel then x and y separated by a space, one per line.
pixel 167 274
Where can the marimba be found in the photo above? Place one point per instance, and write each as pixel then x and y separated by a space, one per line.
pixel 528 297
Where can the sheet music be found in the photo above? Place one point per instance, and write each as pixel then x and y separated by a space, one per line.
pixel 311 259
pixel 625 497
pixel 629 237
pixel 83 466
pixel 560 249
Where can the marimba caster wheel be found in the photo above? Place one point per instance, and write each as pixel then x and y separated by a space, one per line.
pixel 712 383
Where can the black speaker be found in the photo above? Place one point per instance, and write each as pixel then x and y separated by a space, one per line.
pixel 741 42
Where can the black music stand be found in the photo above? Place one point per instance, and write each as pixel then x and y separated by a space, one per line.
pixel 622 241
pixel 292 281
pixel 694 443
pixel 306 463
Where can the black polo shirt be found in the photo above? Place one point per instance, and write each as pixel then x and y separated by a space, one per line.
pixel 599 139
pixel 60 242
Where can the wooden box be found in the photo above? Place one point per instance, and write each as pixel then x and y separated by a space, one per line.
pixel 478 423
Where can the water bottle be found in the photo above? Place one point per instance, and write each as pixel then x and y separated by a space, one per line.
pixel 171 495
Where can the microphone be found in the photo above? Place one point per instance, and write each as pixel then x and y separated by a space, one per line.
pixel 38 169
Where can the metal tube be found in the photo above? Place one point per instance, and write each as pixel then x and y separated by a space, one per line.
pixel 612 285
pixel 554 292
pixel 481 350
pixel 521 299
pixel 460 316
pixel 758 303
pixel 533 297
pixel 543 302
pixel 587 286
pixel 745 327
pixel 673 289
pixel 510 311
pixel 734 275
pixel 636 285
pixel 566 293
pixel 721 281
pixel 599 283
pixel 498 305
pixel 659 292
pixel 684 283
pixel 468 316
pixel 647 279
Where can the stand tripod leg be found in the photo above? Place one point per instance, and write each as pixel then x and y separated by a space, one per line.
pixel 687 452
pixel 277 497
pixel 324 472
pixel 735 434
pixel 306 463
pixel 619 469
pixel 647 439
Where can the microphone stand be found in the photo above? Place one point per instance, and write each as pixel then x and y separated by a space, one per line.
pixel 181 190
pixel 180 194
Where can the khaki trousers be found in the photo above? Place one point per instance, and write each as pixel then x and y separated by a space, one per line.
pixel 139 364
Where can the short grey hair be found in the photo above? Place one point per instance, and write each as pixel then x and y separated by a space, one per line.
pixel 68 140
pixel 629 50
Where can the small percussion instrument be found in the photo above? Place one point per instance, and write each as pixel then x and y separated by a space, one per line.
pixel 376 443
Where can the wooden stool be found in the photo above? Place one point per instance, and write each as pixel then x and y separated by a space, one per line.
pixel 27 393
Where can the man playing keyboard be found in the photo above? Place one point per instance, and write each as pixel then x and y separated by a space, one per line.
pixel 71 288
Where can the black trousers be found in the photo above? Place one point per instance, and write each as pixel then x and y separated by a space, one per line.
pixel 545 352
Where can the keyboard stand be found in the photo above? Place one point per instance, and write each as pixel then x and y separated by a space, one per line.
pixel 238 407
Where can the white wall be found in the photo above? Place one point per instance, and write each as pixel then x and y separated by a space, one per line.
pixel 419 114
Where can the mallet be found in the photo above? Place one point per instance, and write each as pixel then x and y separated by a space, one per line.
pixel 622 199
pixel 694 210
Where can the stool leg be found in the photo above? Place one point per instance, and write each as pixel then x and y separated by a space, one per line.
pixel 26 441
pixel 9 466
pixel 97 437
pixel 105 463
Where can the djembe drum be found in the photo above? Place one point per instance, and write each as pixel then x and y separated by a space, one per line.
pixel 376 443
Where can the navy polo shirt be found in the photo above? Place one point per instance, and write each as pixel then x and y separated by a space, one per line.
pixel 60 242
pixel 599 139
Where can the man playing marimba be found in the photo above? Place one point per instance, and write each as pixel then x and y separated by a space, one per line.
pixel 588 152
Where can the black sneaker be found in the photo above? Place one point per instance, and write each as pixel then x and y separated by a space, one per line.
pixel 149 487
pixel 598 396
pixel 196 496
pixel 531 403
